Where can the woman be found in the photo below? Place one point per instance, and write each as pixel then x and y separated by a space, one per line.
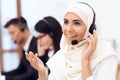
pixel 82 56
pixel 49 33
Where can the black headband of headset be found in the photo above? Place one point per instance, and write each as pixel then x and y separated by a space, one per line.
pixel 92 26
pixel 51 33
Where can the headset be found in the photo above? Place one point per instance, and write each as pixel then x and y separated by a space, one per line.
pixel 21 25
pixel 92 26
pixel 51 29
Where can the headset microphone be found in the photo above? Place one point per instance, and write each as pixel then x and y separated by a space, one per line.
pixel 74 42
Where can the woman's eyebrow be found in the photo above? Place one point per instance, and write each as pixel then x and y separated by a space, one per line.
pixel 65 19
pixel 77 20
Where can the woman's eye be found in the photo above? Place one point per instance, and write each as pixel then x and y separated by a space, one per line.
pixel 65 22
pixel 77 23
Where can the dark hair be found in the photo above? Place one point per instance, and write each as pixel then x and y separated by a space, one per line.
pixel 20 21
pixel 51 26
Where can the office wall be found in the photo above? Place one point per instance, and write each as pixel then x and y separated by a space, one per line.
pixel 8 11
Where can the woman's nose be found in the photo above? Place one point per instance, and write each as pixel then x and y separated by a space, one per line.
pixel 70 28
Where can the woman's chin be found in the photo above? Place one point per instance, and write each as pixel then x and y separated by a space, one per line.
pixel 69 42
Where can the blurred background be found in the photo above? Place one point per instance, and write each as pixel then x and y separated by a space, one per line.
pixel 106 10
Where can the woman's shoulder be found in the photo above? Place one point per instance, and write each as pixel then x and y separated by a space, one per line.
pixel 104 42
pixel 104 49
pixel 55 57
pixel 105 45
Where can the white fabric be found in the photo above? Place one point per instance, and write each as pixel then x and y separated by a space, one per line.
pixel 26 46
pixel 66 63
pixel 67 66
pixel 106 70
pixel 50 53
pixel 2 77
pixel 90 78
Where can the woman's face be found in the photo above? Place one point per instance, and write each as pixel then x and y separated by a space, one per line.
pixel 44 42
pixel 73 27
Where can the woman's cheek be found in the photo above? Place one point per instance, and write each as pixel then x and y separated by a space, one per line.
pixel 63 29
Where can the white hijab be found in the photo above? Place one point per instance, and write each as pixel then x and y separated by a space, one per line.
pixel 66 63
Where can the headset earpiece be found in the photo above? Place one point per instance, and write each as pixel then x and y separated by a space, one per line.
pixel 51 33
pixel 21 25
pixel 92 26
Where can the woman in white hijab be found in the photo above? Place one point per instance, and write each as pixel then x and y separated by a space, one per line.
pixel 83 56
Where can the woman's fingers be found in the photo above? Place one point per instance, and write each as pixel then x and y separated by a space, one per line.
pixel 95 38
pixel 92 40
pixel 27 55
pixel 91 43
pixel 30 57
pixel 95 35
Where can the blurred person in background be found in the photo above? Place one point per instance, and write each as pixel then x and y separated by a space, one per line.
pixel 49 32
pixel 20 34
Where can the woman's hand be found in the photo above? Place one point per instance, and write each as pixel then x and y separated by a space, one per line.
pixel 35 62
pixel 90 46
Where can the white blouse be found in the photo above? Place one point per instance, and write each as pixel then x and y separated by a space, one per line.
pixel 104 63
pixel 106 70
